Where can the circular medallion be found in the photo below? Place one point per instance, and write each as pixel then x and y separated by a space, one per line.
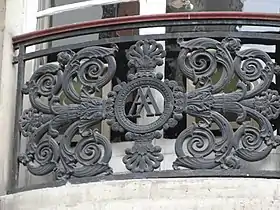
pixel 143 103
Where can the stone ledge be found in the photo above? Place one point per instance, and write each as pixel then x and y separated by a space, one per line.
pixel 191 193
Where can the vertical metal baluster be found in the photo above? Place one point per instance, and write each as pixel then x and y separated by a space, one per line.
pixel 277 60
pixel 18 109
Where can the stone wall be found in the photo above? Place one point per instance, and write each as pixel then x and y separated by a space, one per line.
pixel 164 194
pixel 9 25
pixel 2 27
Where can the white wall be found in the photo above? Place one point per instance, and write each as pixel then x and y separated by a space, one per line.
pixel 13 25
pixel 16 17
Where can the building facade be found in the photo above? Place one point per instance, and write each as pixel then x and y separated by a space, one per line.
pixel 149 104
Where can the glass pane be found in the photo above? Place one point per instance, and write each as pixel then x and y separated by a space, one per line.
pixel 76 16
pixel 64 2
pixel 269 6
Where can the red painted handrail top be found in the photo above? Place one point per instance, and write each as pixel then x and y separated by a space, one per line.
pixel 145 18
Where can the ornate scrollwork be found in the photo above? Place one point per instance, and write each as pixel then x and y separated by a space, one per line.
pixel 268 104
pixel 143 57
pixel 52 125
pixel 90 157
pixel 252 65
pixel 199 59
pixel 31 120
pixel 143 156
pixel 65 109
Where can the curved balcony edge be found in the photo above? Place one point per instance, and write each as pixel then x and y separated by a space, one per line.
pixel 169 174
pixel 47 34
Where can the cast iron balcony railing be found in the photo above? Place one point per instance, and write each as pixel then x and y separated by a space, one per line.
pixel 83 69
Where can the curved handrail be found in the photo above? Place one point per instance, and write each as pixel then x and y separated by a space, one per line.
pixel 259 38
pixel 193 18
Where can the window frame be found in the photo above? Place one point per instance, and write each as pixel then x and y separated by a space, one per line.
pixel 75 6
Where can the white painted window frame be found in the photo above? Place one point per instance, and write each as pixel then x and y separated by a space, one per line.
pixel 75 6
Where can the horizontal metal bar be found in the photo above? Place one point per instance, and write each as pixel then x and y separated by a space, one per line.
pixel 252 38
pixel 145 21
pixel 160 175
pixel 75 6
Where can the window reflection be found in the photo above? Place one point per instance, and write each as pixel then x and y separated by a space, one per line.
pixel 204 5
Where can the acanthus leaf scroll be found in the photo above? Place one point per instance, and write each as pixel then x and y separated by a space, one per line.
pixel 199 60
pixel 53 123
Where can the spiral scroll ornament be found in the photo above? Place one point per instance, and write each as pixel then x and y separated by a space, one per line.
pixel 199 60
pixel 52 125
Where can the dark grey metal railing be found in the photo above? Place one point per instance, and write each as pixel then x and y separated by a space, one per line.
pixel 51 124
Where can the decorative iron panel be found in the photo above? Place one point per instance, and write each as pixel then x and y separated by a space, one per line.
pixel 52 123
